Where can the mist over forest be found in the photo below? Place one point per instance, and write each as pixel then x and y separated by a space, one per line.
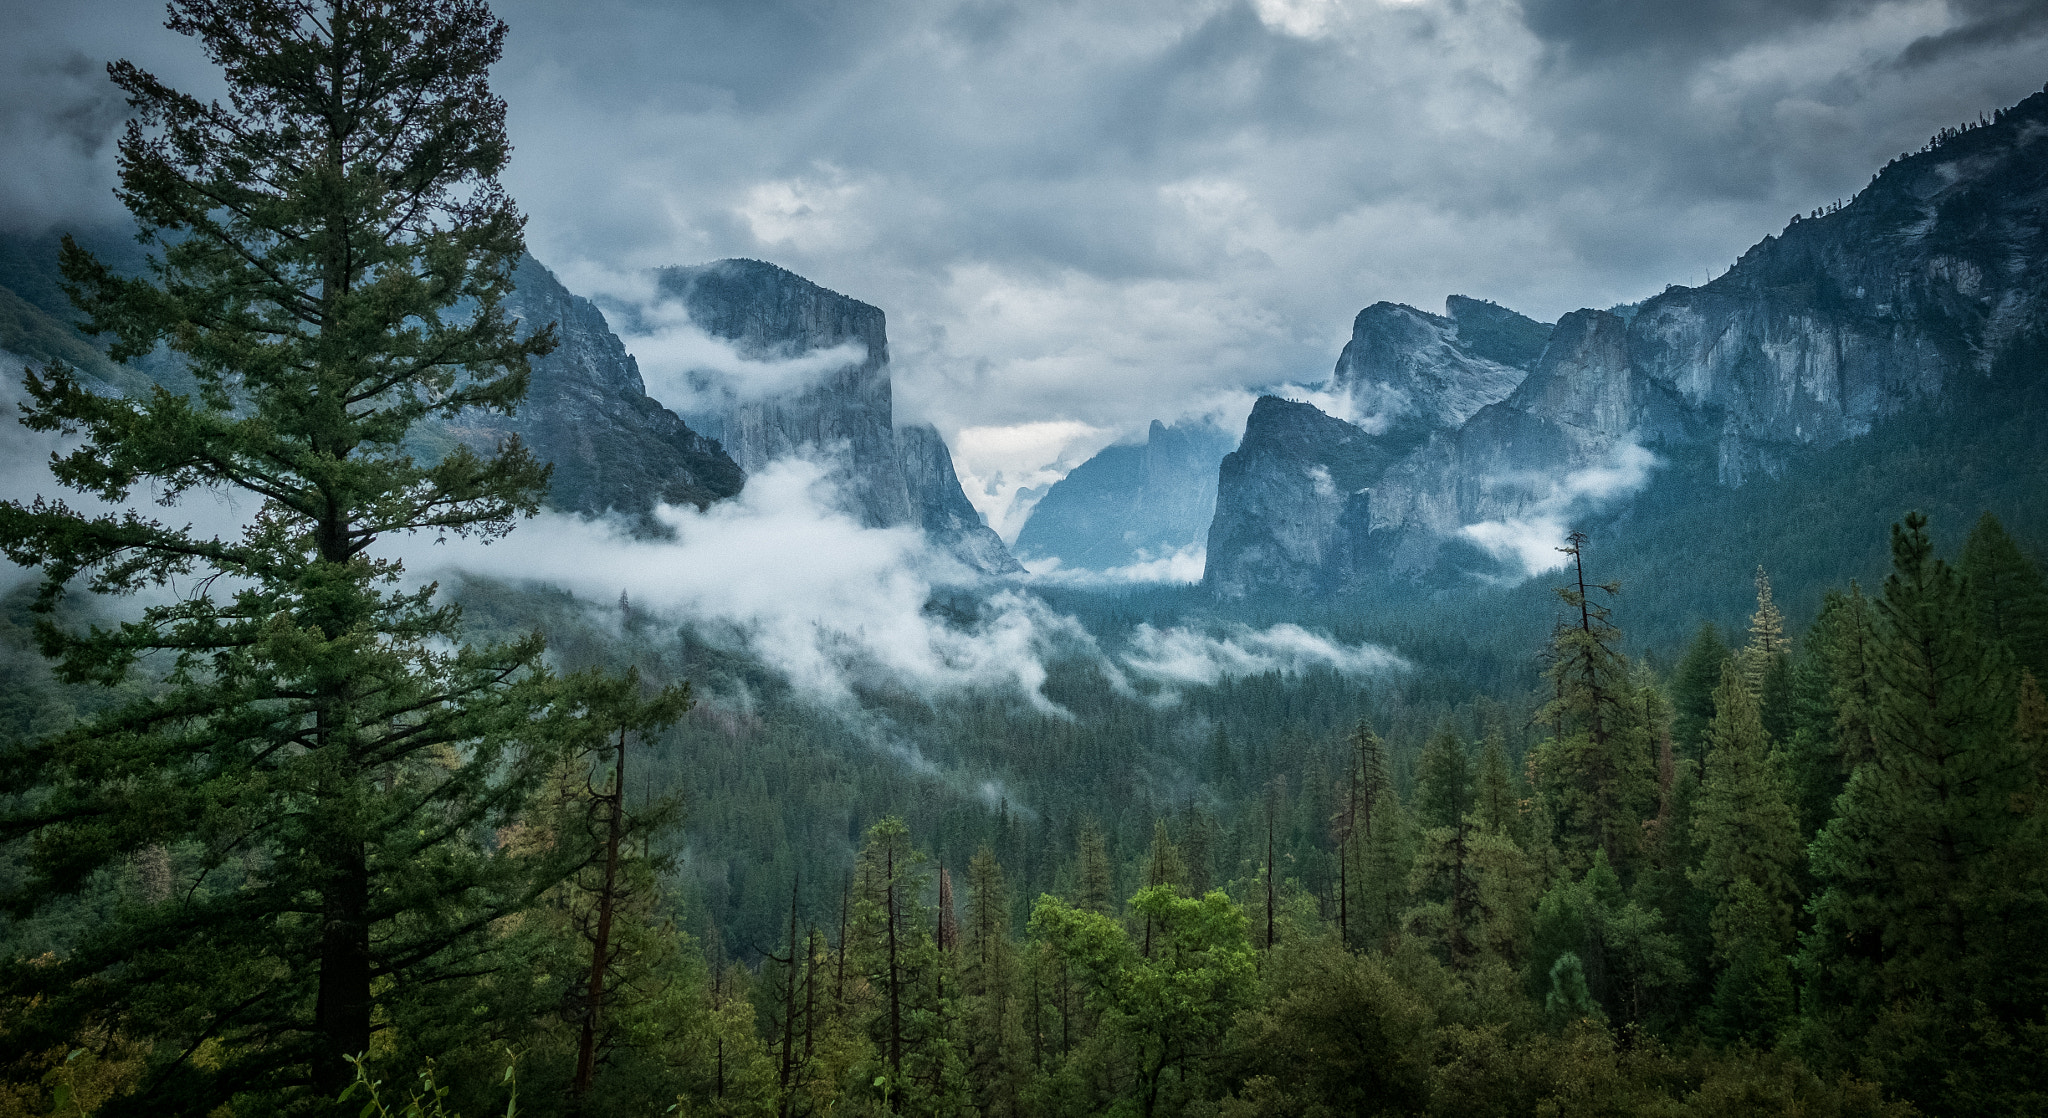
pixel 494 623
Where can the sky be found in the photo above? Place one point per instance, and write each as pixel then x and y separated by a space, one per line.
pixel 1082 215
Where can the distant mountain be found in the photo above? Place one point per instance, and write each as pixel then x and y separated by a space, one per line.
pixel 1131 503
pixel 1930 283
pixel 1292 510
pixel 588 412
pixel 844 415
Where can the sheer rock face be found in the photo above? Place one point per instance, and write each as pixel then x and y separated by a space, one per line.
pixel 1291 501
pixel 614 448
pixel 1131 503
pixel 941 507
pixel 1407 373
pixel 844 416
pixel 1932 278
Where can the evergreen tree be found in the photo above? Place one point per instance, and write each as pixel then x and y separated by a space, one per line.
pixel 1750 852
pixel 1443 781
pixel 1095 889
pixel 1373 845
pixel 1692 694
pixel 1163 864
pixel 1767 640
pixel 2008 593
pixel 1495 808
pixel 1595 768
pixel 1196 845
pixel 1925 945
pixel 331 252
pixel 996 1052
pixel 1443 875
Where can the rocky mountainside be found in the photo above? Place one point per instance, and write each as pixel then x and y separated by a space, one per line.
pixel 1293 511
pixel 587 411
pixel 1931 280
pixel 1131 503
pixel 844 415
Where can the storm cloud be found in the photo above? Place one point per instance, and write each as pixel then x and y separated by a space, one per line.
pixel 1101 214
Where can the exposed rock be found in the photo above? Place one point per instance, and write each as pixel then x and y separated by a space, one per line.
pixel 1290 499
pixel 1408 373
pixel 941 506
pixel 586 410
pixel 1931 278
pixel 1131 503
pixel 843 416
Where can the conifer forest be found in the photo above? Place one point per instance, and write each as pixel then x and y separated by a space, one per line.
pixel 290 825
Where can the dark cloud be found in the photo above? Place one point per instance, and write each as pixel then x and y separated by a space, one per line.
pixel 1990 23
pixel 1101 211
pixel 1598 29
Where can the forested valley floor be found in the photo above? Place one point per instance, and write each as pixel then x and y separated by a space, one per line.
pixel 1797 869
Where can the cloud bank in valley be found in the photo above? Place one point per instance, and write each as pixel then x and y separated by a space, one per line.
pixel 1529 540
pixel 1192 657
pixel 779 573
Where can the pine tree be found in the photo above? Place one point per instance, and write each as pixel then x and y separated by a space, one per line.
pixel 611 894
pixel 1595 768
pixel 1692 694
pixel 1495 807
pixel 1767 642
pixel 996 1051
pixel 331 252
pixel 1096 892
pixel 2008 593
pixel 1443 876
pixel 1163 864
pixel 1750 854
pixel 1443 780
pixel 1925 938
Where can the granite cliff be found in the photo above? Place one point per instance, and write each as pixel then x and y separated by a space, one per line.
pixel 844 415
pixel 587 411
pixel 1131 503
pixel 1930 281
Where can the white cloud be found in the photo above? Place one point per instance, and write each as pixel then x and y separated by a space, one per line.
pixel 776 572
pixel 1004 470
pixel 1182 656
pixel 1531 538
pixel 1183 565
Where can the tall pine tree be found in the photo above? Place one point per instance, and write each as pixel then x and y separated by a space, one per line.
pixel 1925 946
pixel 320 752
pixel 1750 849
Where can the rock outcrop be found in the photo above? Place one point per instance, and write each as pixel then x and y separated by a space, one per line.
pixel 843 415
pixel 1131 503
pixel 940 506
pixel 587 411
pixel 1932 278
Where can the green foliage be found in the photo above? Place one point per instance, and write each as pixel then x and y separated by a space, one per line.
pixel 1750 851
pixel 1692 693
pixel 1923 944
pixel 2008 594
pixel 318 762
pixel 1595 769
pixel 1171 1007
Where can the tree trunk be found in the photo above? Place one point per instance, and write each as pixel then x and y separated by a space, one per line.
pixel 600 948
pixel 341 1011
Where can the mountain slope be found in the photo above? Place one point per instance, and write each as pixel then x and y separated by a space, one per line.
pixel 1917 290
pixel 842 414
pixel 1131 503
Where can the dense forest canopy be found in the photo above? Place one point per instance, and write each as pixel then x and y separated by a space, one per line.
pixel 284 832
